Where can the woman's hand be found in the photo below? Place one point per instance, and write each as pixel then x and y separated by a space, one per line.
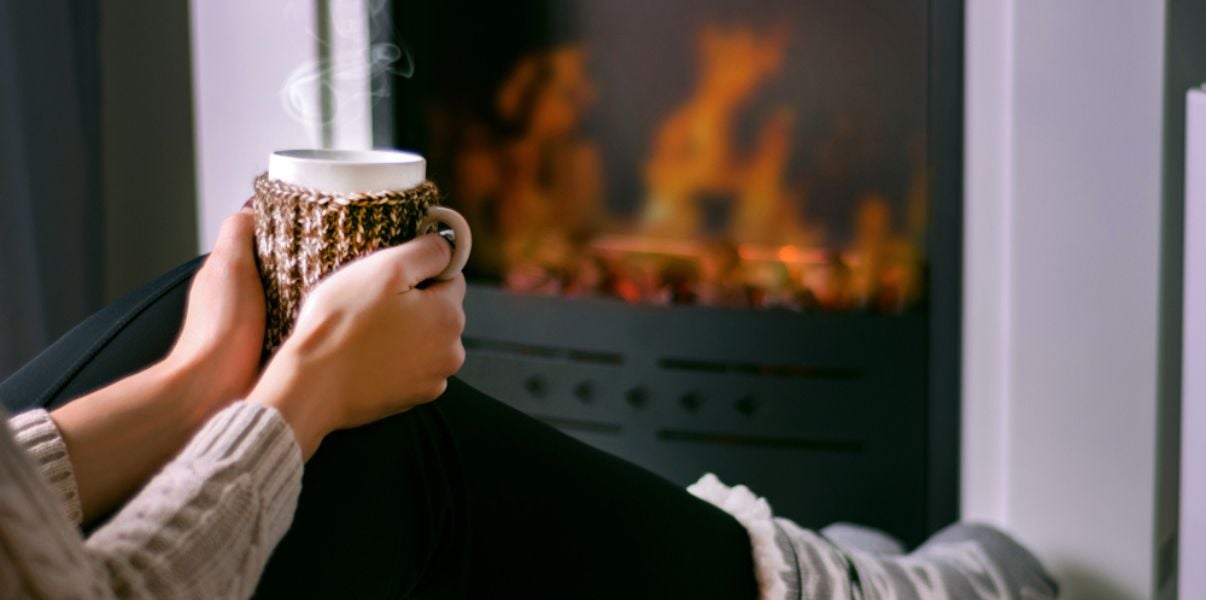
pixel 369 342
pixel 223 334
pixel 119 435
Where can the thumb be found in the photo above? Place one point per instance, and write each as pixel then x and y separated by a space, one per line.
pixel 236 236
pixel 415 261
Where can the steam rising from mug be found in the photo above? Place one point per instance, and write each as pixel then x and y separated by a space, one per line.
pixel 303 91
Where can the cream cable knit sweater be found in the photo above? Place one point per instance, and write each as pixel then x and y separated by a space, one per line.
pixel 201 528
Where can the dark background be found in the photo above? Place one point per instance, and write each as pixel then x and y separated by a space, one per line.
pixel 97 187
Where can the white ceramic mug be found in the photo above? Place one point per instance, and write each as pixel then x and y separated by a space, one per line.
pixel 359 171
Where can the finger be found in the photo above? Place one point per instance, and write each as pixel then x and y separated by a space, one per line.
pixel 415 261
pixel 453 289
pixel 238 231
pixel 461 287
pixel 449 296
pixel 236 236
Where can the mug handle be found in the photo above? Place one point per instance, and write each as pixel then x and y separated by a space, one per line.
pixel 460 228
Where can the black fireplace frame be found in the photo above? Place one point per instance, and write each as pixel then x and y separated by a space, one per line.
pixel 597 386
pixel 945 150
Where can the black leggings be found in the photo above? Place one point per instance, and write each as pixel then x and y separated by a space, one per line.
pixel 463 497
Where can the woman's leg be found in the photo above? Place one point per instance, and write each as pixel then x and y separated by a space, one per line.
pixel 548 514
pixel 466 497
pixel 461 497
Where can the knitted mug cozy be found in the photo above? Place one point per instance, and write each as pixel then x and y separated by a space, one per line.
pixel 302 235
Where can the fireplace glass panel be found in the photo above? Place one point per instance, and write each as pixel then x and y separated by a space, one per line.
pixel 720 153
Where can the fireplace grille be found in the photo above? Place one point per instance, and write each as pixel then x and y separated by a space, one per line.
pixel 817 412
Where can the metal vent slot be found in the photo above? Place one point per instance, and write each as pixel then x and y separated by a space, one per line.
pixel 735 439
pixel 581 425
pixel 760 370
pixel 549 352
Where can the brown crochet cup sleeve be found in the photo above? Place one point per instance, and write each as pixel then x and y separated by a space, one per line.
pixel 302 235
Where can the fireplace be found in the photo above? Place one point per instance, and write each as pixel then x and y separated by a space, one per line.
pixel 708 236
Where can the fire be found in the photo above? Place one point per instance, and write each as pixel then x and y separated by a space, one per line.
pixel 788 254
pixel 695 156
pixel 537 197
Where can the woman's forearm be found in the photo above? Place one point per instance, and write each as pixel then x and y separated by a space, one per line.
pixel 118 436
pixel 202 527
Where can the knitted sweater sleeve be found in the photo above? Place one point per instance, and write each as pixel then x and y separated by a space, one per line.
pixel 37 434
pixel 201 528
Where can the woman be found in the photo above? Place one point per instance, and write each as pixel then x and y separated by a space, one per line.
pixel 201 455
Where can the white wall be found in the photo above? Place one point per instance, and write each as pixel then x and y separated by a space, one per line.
pixel 257 77
pixel 243 53
pixel 1061 269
